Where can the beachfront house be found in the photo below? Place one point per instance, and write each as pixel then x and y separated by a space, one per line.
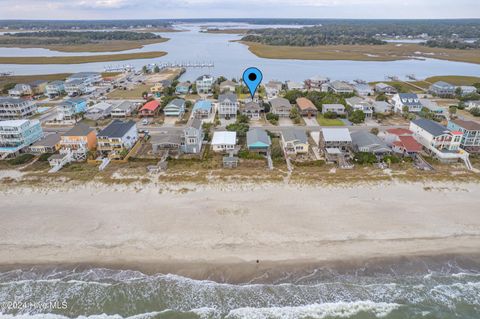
pixel 306 107
pixel 170 141
pixel 295 141
pixel 20 90
pixel 367 142
pixel 315 83
pixel 385 88
pixel 280 106
pixel 123 110
pixel 204 84
pixel 470 134
pixel 17 135
pixel 227 105
pixel 338 109
pixel 116 138
pixel 149 109
pixel 258 141
pixel 227 86
pixel 408 100
pixel 252 110
pixel 273 88
pixel 71 108
pixel 99 111
pixel 340 87
pixel 78 141
pixel 363 89
pixel 175 108
pixel 13 108
pixel 55 88
pixel 48 144
pixel 192 137
pixel 401 141
pixel 202 109
pixel 442 89
pixel 336 144
pixel 438 140
pixel 224 142
pixel 183 88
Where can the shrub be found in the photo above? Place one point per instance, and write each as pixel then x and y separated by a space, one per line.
pixel 44 157
pixel 330 115
pixel 21 159
pixel 475 111
pixel 357 116
pixel 365 158
pixel 392 159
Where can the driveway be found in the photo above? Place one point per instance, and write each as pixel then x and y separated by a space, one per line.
pixel 311 121
pixel 285 121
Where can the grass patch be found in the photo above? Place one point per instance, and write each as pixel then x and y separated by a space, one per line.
pixel 329 122
pixel 81 59
pixel 21 159
pixel 455 79
pixel 387 52
pixel 135 93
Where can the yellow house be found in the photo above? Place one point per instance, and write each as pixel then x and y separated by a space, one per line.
pixel 295 141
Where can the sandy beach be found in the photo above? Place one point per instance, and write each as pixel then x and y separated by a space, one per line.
pixel 189 230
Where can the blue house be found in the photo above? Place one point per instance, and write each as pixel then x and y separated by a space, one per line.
pixel 258 140
pixel 175 108
pixel 68 109
pixel 471 134
pixel 202 109
pixel 183 88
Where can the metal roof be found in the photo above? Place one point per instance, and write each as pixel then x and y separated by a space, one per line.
pixel 336 135
pixel 224 138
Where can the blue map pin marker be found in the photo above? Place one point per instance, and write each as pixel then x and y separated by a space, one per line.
pixel 252 77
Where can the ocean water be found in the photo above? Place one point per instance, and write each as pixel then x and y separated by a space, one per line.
pixel 419 289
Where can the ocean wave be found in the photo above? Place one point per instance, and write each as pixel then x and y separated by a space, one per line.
pixel 316 311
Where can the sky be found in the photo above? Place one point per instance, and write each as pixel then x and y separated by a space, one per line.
pixel 168 9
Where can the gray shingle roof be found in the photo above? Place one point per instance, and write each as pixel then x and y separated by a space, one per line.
pixel 366 139
pixel 49 140
pixel 116 129
pixel 232 97
pixel 295 135
pixel 79 130
pixel 280 102
pixel 177 102
pixel 258 135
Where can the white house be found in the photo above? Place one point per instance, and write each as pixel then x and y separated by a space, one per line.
pixel 224 141
pixel 123 110
pixel 99 111
pixel 409 100
pixel 439 140
pixel 55 88
pixel 204 83
pixel 334 108
pixel 291 85
pixel 340 87
pixel 75 87
pixel 467 90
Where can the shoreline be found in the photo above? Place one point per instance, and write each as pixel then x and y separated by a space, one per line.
pixel 218 229
pixel 268 272
pixel 81 59
pixel 378 53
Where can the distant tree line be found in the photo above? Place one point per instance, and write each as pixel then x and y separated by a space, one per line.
pixel 81 25
pixel 442 33
pixel 72 37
